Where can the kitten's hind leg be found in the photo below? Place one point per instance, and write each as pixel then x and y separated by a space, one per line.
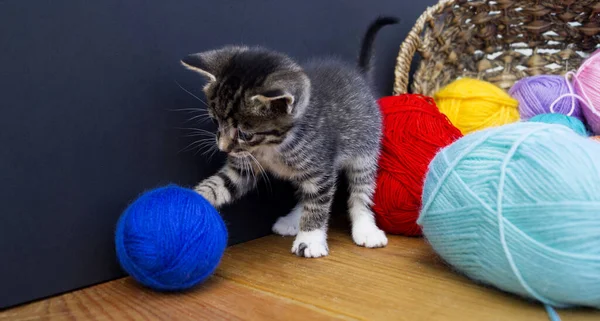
pixel 290 224
pixel 361 172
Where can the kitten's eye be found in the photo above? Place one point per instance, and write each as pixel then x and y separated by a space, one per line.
pixel 244 136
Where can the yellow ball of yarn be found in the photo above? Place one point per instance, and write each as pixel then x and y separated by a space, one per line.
pixel 473 104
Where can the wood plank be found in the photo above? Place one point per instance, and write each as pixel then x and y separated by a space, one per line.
pixel 217 299
pixel 404 281
pixel 262 280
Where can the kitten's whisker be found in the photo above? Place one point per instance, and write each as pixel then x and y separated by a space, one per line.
pixel 204 118
pixel 196 130
pixel 208 141
pixel 247 165
pixel 252 168
pixel 198 150
pixel 187 91
pixel 188 109
pixel 213 153
pixel 208 149
pixel 203 145
pixel 244 169
pixel 262 172
pixel 211 149
pixel 206 114
pixel 201 134
pixel 190 146
pixel 210 144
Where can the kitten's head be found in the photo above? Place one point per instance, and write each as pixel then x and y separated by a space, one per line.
pixel 254 94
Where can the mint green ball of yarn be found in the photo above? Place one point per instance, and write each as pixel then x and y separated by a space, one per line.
pixel 518 207
pixel 575 124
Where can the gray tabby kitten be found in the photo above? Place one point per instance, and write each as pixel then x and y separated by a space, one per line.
pixel 300 123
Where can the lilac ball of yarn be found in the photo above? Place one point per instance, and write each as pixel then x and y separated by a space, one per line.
pixel 537 93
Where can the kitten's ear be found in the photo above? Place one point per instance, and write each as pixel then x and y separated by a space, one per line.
pixel 200 64
pixel 209 63
pixel 277 100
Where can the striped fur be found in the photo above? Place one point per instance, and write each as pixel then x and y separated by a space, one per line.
pixel 234 180
pixel 305 124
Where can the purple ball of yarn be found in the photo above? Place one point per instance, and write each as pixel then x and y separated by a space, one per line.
pixel 537 93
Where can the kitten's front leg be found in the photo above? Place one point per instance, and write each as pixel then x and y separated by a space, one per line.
pixel 316 198
pixel 234 180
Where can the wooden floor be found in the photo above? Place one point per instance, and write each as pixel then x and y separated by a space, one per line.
pixel 261 280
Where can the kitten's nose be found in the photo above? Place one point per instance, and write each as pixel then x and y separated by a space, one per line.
pixel 225 146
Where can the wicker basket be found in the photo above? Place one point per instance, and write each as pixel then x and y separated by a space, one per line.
pixel 500 41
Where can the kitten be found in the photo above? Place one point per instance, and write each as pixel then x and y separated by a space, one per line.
pixel 300 123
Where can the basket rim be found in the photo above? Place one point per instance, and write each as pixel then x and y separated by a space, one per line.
pixel 411 44
pixel 419 39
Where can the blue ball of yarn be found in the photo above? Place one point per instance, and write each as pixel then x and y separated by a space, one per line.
pixel 575 124
pixel 518 207
pixel 170 239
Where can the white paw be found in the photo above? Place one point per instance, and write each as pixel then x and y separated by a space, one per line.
pixel 367 234
pixel 285 227
pixel 290 224
pixel 311 244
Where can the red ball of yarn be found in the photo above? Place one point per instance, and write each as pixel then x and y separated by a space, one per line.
pixel 414 130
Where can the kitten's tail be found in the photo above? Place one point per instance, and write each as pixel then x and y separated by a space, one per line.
pixel 366 49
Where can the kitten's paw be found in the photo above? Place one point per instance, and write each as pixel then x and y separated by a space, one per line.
pixel 207 193
pixel 367 234
pixel 288 225
pixel 214 191
pixel 285 226
pixel 311 244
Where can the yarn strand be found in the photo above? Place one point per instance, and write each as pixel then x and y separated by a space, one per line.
pixel 503 242
pixel 573 96
pixel 571 93
pixel 551 313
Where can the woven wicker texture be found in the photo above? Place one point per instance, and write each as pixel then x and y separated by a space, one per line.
pixel 500 41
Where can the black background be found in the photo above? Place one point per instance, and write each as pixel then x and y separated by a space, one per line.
pixel 87 93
